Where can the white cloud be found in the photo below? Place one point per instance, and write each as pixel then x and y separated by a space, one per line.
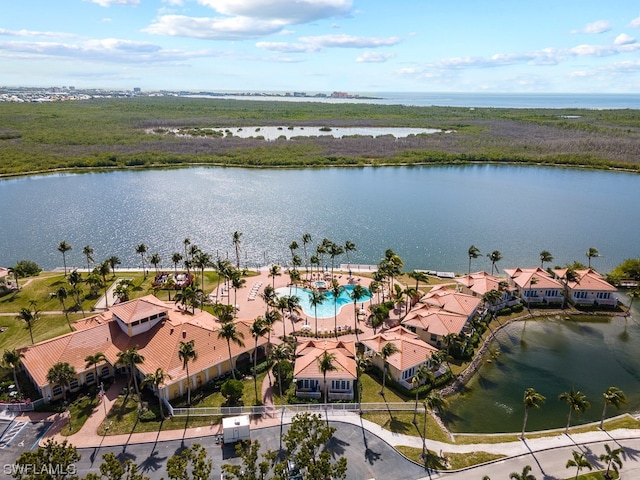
pixel 350 41
pixel 285 47
pixel 108 3
pixel 624 39
pixel 33 33
pixel 175 3
pixel 235 28
pixel 599 26
pixel 300 11
pixel 635 22
pixel 374 57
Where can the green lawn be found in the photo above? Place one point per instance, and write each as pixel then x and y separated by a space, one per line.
pixel 48 326
pixel 452 461
pixel 80 410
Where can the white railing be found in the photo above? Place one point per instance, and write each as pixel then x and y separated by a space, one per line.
pixel 21 406
pixel 291 409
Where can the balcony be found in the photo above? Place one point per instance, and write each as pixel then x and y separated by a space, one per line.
pixel 309 394
pixel 340 395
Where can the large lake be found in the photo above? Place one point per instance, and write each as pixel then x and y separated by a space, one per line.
pixel 428 215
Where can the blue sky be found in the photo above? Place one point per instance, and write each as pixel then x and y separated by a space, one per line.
pixel 576 46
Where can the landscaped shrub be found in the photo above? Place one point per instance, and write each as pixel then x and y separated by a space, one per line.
pixel 147 416
pixel 232 390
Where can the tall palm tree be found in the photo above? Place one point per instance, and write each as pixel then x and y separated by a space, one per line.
pixel 592 253
pixel 141 249
pixel 577 402
pixel 293 306
pixel 349 246
pixel 274 271
pixel 357 294
pixel 63 248
pixel 418 277
pixel 62 295
pixel 187 353
pixel 61 374
pixel 29 317
pixel 362 363
pixel 12 359
pixel 473 253
pixel 113 262
pixel 293 246
pixel 316 298
pixel 325 364
pixel 314 260
pixel 87 251
pixel 236 244
pixel 280 353
pixel 532 399
pixel 186 243
pixel 237 282
pixel 422 375
pixel 570 276
pixel 229 331
pixel 130 358
pixel 202 260
pixel 612 458
pixel 579 461
pixel 103 269
pixel 334 250
pixel 258 329
pixel 336 289
pixel 433 401
pixel 176 258
pixel 93 361
pixel 495 257
pixel 387 351
pixel 156 380
pixel 188 296
pixel 525 475
pixel 545 257
pixel 306 239
pixel 612 396
pixel 155 260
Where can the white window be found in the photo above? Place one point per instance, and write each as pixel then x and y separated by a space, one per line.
pixel 105 371
pixel 74 384
pixel 579 294
pixel 603 295
pixel 57 390
pixel 551 293
pixel 90 377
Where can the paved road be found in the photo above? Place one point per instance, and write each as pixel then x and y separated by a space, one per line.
pixel 367 455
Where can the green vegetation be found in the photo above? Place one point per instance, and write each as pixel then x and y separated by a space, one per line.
pixel 133 133
pixel 454 461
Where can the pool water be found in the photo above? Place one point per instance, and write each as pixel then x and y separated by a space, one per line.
pixel 326 308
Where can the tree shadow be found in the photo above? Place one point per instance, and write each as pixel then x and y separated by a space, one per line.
pixel 544 475
pixel 153 462
pixel 336 447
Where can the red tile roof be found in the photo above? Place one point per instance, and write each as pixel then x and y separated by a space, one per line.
pixel 307 354
pixel 411 350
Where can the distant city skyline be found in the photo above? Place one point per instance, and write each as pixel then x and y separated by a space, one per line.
pixel 355 46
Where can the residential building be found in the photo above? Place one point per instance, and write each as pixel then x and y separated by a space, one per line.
pixel 480 283
pixel 309 380
pixel 535 285
pixel 590 288
pixel 411 353
pixel 156 328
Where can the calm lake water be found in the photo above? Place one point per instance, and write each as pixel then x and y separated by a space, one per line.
pixel 551 356
pixel 428 215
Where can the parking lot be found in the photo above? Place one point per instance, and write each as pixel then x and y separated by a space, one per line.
pixel 17 437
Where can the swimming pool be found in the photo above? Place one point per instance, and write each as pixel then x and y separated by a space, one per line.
pixel 326 308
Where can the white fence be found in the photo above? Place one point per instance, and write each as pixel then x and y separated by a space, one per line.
pixel 21 406
pixel 293 409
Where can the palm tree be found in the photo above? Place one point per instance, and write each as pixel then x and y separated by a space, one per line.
pixel 532 399
pixel 316 298
pixel 187 353
pixel 93 361
pixel 612 396
pixel 62 295
pixel 230 333
pixel 473 253
pixel 188 296
pixel 570 276
pixel 293 306
pixel 236 244
pixel 61 374
pixel 186 242
pixel 113 261
pixel 525 475
pixel 279 354
pixel 237 282
pixel 349 246
pixel 387 351
pixel 612 459
pixel 141 249
pixel 293 246
pixel 362 363
pixel 577 402
pixel 433 401
pixel 422 375
pixel 103 269
pixel 274 272
pixel 545 257
pixel 155 260
pixel 176 258
pixel 418 277
pixel 63 248
pixel 258 329
pixel 592 253
pixel 357 294
pixel 202 260
pixel 130 358
pixel 156 380
pixel 495 257
pixel 12 359
pixel 87 251
pixel 336 289
pixel 306 239
pixel 334 250
pixel 29 317
pixel 578 461
pixel 314 260
pixel 325 364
